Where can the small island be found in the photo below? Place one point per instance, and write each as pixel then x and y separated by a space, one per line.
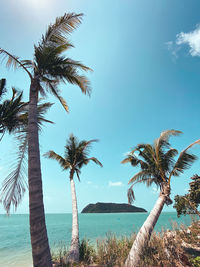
pixel 100 207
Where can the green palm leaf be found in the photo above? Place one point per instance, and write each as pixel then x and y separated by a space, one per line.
pixel 65 24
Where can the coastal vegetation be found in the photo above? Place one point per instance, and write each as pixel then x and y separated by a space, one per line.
pixel 179 247
pixel 158 165
pixel 76 156
pixel 189 203
pixel 46 71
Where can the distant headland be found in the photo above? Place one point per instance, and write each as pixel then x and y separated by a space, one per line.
pixel 100 207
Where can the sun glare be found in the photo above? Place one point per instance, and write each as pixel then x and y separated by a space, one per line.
pixel 37 4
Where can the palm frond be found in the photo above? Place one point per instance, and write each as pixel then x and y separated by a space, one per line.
pixel 63 25
pixel 162 141
pixel 95 160
pixel 80 80
pixel 53 155
pixel 77 173
pixel 14 185
pixel 2 87
pixel 42 109
pixel 77 64
pixel 131 195
pixel 55 92
pixel 132 159
pixel 10 112
pixel 14 61
pixel 184 161
pixel 28 63
pixel 140 176
pixel 167 160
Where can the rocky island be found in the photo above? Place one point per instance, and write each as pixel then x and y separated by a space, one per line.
pixel 100 207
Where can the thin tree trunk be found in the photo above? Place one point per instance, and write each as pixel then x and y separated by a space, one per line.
pixel 74 248
pixel 144 234
pixel 39 240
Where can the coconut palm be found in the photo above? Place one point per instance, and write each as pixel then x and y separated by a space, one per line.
pixel 11 110
pixel 75 157
pixel 46 71
pixel 15 183
pixel 158 165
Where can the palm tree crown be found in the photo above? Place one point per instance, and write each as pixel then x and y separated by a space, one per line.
pixel 158 161
pixel 50 66
pixel 76 155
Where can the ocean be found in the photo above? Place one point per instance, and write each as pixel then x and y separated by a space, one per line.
pixel 15 248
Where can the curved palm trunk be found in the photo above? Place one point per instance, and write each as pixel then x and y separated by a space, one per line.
pixel 144 234
pixel 74 248
pixel 39 240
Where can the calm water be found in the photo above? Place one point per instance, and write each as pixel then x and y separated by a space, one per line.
pixel 15 250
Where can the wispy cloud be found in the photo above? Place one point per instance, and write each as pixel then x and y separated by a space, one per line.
pixel 115 183
pixel 192 39
pixel 173 48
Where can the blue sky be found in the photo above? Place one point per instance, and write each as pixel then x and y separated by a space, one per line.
pixel 146 61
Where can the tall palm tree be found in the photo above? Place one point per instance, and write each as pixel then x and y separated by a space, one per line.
pixel 158 165
pixel 46 71
pixel 75 157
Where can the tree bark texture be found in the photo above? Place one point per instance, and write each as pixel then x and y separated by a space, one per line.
pixel 74 248
pixel 143 236
pixel 39 239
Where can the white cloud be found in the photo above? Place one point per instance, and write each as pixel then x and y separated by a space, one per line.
pixel 115 183
pixel 173 48
pixel 192 39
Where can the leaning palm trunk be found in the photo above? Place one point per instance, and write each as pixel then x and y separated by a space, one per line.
pixel 74 248
pixel 144 234
pixel 39 240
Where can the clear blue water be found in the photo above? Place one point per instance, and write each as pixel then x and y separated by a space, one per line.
pixel 15 249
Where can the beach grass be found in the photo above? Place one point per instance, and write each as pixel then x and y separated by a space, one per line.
pixel 177 247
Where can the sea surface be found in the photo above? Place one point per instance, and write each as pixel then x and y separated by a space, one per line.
pixel 15 249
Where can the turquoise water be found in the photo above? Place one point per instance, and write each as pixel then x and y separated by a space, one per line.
pixel 15 249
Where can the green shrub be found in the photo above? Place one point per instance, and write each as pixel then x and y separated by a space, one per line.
pixel 87 251
pixel 196 262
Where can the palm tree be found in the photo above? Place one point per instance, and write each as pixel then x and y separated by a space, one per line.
pixel 75 157
pixel 14 185
pixel 48 68
pixel 158 165
pixel 11 110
